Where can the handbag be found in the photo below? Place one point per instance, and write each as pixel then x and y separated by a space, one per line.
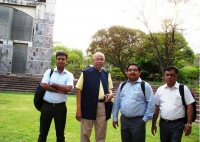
pixel 108 107
pixel 39 94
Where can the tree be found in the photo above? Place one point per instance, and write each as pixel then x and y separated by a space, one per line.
pixel 158 47
pixel 166 49
pixel 119 44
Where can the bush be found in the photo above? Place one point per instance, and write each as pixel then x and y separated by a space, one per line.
pixel 145 75
pixel 189 74
pixel 116 74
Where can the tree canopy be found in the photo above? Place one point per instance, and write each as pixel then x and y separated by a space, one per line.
pixel 167 48
pixel 119 44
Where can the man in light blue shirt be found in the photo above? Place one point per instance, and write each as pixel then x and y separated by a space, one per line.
pixel 57 86
pixel 136 107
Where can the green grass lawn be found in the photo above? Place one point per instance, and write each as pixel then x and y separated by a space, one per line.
pixel 19 122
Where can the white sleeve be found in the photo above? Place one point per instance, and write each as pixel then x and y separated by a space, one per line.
pixel 188 96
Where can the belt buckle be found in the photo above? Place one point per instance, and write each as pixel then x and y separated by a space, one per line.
pixel 166 120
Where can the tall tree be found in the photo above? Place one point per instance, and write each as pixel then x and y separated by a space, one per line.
pixel 169 18
pixel 119 44
pixel 167 48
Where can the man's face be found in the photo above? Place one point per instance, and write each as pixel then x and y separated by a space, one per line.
pixel 61 61
pixel 133 73
pixel 170 77
pixel 98 61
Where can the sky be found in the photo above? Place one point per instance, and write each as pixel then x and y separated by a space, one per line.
pixel 76 21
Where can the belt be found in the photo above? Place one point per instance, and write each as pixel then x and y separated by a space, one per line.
pixel 101 101
pixel 176 120
pixel 133 117
pixel 54 104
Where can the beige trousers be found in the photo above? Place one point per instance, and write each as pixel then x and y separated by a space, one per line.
pixel 100 125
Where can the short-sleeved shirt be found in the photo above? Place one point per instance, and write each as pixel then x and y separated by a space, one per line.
pixel 65 78
pixel 170 102
pixel 79 85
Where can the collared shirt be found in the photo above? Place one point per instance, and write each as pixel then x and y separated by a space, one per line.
pixel 65 78
pixel 170 102
pixel 79 85
pixel 132 103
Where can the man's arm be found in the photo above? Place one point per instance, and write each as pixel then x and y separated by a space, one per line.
pixel 150 100
pixel 110 86
pixel 78 105
pixel 155 117
pixel 116 108
pixel 53 87
pixel 109 96
pixel 188 127
pixel 61 88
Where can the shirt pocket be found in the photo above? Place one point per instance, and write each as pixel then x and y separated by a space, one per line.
pixel 178 100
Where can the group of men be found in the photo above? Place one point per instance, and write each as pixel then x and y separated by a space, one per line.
pixel 134 99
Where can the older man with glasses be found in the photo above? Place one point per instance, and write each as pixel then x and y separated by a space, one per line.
pixel 93 99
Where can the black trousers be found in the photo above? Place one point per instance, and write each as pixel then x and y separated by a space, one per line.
pixel 49 112
pixel 133 129
pixel 171 131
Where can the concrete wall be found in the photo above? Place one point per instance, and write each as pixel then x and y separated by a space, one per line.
pixel 6 18
pixel 22 26
pixel 30 23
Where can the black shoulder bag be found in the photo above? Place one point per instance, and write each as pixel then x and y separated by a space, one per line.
pixel 39 94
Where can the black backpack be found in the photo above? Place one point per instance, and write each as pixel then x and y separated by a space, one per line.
pixel 181 90
pixel 39 94
pixel 142 86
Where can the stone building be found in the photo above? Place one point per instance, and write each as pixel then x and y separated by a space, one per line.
pixel 26 36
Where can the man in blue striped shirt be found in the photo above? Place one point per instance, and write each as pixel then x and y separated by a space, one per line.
pixel 136 107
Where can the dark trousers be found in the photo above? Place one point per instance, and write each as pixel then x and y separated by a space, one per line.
pixel 48 112
pixel 132 129
pixel 171 131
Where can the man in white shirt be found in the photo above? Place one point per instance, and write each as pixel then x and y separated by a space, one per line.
pixel 172 111
pixel 57 86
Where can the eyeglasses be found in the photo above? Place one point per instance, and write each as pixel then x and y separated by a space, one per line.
pixel 99 59
pixel 133 70
pixel 172 75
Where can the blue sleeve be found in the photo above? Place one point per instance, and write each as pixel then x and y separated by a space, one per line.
pixel 150 100
pixel 46 76
pixel 116 105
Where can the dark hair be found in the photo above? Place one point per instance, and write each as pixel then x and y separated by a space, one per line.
pixel 61 53
pixel 133 64
pixel 168 68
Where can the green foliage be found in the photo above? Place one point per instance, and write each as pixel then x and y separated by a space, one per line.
pixel 182 78
pixel 149 68
pixel 119 44
pixel 167 48
pixel 189 74
pixel 144 74
pixel 116 74
pixel 196 60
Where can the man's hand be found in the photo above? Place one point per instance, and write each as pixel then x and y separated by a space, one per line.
pixel 109 98
pixel 78 115
pixel 115 123
pixel 187 130
pixel 60 92
pixel 153 129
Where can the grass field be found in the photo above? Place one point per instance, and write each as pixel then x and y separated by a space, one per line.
pixel 19 122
